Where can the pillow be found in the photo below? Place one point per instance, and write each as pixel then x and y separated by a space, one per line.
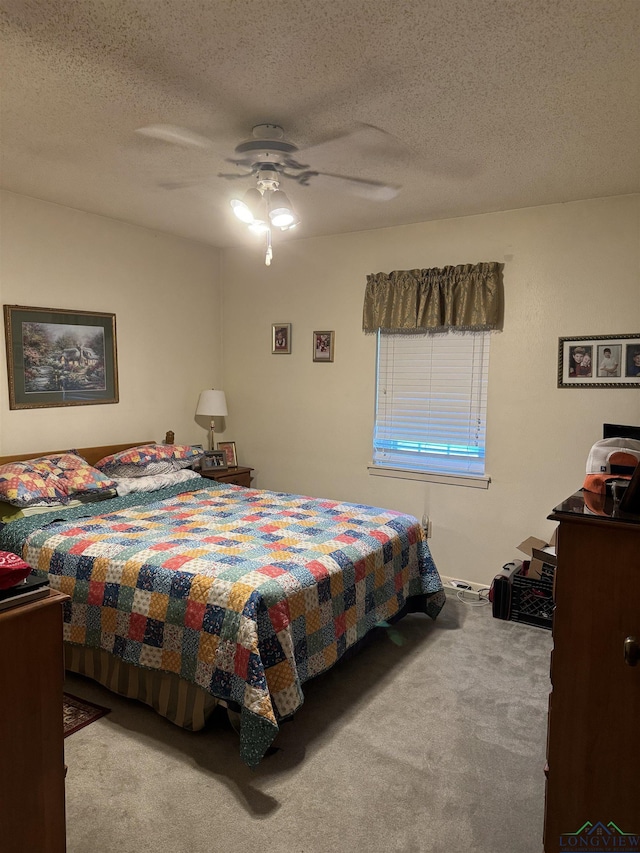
pixel 23 485
pixel 153 482
pixel 149 459
pixel 74 474
pixel 13 569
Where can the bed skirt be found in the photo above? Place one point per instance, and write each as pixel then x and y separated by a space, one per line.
pixel 179 701
pixel 184 704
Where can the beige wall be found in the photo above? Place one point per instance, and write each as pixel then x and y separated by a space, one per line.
pixel 570 269
pixel 165 293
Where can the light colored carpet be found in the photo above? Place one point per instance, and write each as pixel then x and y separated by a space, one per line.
pixel 433 746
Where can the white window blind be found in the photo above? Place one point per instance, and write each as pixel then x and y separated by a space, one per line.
pixel 431 402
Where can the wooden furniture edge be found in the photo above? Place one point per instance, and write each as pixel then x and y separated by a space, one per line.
pixel 55 596
pixel 91 454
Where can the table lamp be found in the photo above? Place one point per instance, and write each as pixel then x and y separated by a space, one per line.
pixel 212 404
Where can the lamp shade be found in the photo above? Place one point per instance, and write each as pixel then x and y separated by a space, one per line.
pixel 211 403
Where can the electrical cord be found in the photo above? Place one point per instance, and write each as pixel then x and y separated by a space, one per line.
pixel 482 601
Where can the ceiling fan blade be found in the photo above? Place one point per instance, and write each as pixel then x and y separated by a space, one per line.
pixel 181 185
pixel 201 181
pixel 367 140
pixel 232 176
pixel 175 135
pixel 372 190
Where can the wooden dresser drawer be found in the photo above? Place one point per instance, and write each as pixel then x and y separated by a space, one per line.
pixel 236 476
pixel 242 479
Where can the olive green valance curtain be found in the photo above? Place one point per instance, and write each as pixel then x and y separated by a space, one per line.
pixel 466 297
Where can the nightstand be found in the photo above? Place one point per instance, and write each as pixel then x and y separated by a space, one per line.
pixel 236 476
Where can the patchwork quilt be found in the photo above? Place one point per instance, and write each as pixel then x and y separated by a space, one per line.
pixel 245 593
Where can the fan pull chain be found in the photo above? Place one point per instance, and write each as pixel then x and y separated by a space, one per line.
pixel 269 252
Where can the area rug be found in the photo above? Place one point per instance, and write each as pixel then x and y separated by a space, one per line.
pixel 78 713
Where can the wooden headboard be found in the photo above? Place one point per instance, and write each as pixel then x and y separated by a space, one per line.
pixel 91 454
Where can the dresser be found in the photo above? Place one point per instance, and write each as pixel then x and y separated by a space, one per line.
pixel 593 741
pixel 32 807
pixel 238 476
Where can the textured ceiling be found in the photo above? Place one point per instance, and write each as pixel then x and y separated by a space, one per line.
pixel 487 104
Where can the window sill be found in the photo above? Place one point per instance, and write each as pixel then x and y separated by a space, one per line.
pixel 446 479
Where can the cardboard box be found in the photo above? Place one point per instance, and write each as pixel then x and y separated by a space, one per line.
pixel 539 553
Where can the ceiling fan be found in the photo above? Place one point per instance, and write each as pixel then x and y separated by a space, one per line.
pixel 268 158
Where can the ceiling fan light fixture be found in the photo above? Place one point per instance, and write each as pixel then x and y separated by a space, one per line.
pixel 247 209
pixel 282 219
pixel 242 211
pixel 281 211
pixel 296 222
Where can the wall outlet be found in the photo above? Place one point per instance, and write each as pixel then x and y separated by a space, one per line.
pixel 426 526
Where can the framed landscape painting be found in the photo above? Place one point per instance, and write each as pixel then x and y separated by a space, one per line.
pixel 57 357
pixel 601 361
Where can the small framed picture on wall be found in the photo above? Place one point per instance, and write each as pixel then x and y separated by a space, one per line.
pixel 281 338
pixel 323 346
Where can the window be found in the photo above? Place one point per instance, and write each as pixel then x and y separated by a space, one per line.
pixel 431 402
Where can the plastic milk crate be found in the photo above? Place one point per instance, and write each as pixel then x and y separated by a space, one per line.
pixel 532 598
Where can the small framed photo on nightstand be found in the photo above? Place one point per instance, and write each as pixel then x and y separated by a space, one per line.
pixel 214 460
pixel 229 449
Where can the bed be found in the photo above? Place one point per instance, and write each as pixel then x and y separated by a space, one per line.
pixel 203 593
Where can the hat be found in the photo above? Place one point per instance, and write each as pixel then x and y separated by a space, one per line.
pixel 595 502
pixel 611 459
pixel 12 569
